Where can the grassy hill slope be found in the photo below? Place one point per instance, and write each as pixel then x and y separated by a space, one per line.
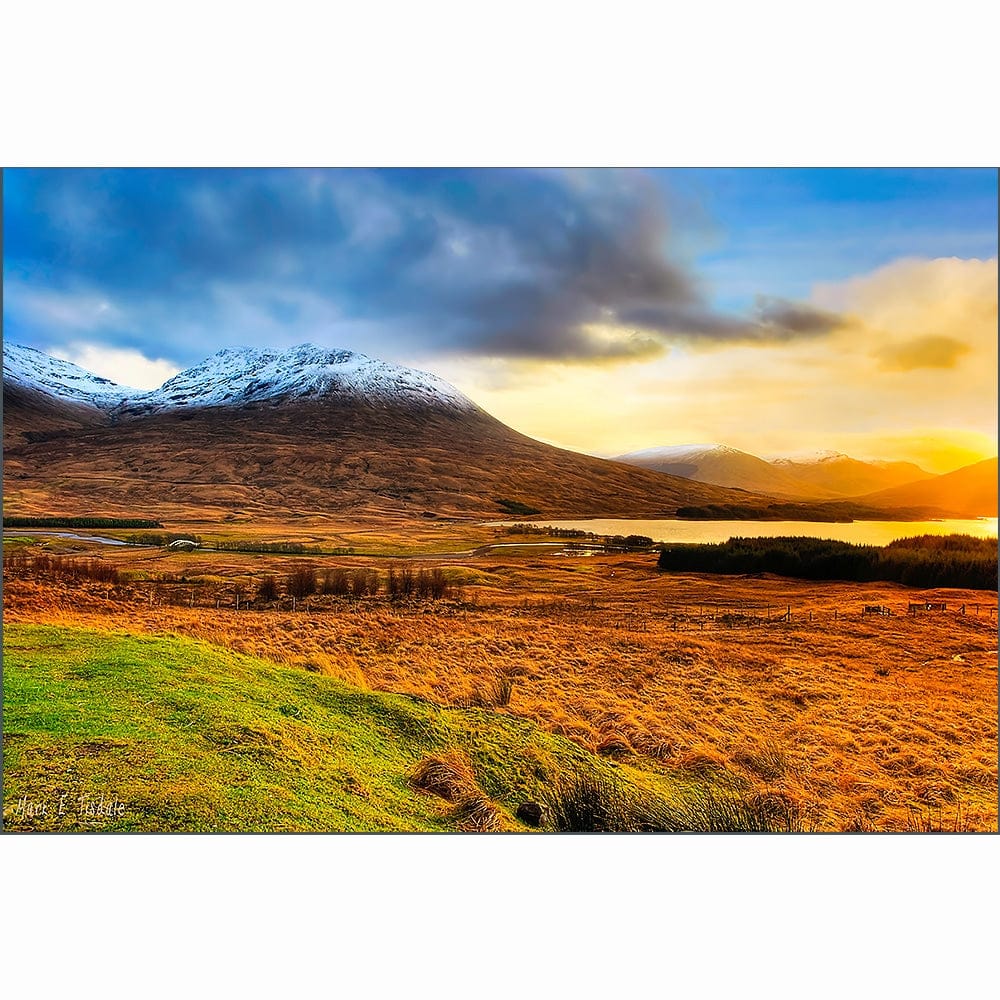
pixel 181 735
pixel 299 459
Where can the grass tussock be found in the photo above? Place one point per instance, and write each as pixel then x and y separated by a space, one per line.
pixel 475 813
pixel 768 812
pixel 585 802
pixel 448 775
pixel 590 803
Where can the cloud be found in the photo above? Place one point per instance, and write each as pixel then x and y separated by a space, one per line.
pixel 805 393
pixel 125 367
pixel 545 265
pixel 921 352
pixel 787 320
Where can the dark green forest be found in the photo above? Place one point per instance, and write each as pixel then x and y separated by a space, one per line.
pixel 79 522
pixel 925 561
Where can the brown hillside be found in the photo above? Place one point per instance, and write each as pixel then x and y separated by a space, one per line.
pixel 736 470
pixel 844 476
pixel 969 491
pixel 308 458
pixel 28 414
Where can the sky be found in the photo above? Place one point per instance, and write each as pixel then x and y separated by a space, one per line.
pixel 777 311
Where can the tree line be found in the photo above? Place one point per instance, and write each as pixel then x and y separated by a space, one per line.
pixel 616 541
pixel 285 548
pixel 79 522
pixel 924 561
pixel 339 582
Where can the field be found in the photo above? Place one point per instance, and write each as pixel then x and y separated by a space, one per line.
pixel 758 689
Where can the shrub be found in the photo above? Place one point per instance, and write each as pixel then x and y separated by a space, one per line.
pixel 267 589
pixel 336 582
pixel 364 581
pixel 301 582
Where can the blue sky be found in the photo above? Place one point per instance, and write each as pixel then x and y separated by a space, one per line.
pixel 784 230
pixel 505 264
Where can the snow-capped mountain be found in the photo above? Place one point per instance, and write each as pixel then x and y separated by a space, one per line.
pixel 30 369
pixel 820 475
pixel 241 376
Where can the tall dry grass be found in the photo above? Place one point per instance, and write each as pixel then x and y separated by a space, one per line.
pixel 858 722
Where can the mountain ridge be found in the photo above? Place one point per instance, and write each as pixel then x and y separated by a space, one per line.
pixel 309 442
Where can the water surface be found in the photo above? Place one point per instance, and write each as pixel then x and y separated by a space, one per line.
pixel 857 532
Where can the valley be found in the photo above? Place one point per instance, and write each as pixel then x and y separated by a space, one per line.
pixel 758 689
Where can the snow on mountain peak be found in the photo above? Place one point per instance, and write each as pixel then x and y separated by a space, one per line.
pixel 32 369
pixel 810 457
pixel 237 376
pixel 679 452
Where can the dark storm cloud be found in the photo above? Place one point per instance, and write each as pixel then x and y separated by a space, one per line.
pixel 549 265
pixel 794 319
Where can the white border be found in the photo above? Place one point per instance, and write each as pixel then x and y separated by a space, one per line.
pixel 541 84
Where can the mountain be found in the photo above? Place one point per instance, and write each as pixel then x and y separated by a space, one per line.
pixel 823 476
pixel 42 395
pixel 310 433
pixel 849 477
pixel 725 466
pixel 969 491
pixel 31 369
pixel 245 376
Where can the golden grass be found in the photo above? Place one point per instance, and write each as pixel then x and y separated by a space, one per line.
pixel 862 722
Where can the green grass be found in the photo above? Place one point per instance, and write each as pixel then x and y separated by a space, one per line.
pixel 188 736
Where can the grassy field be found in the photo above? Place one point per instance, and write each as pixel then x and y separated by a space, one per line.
pixel 116 731
pixel 763 686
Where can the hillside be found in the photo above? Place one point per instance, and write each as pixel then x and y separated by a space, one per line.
pixel 825 476
pixel 181 735
pixel 970 491
pixel 43 396
pixel 721 465
pixel 312 432
pixel 849 477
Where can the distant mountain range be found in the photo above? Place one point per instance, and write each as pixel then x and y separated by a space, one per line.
pixel 828 476
pixel 309 431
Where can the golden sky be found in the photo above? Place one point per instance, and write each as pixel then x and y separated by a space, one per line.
pixel 912 375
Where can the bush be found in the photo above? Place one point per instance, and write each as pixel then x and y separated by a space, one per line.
pixel 364 581
pixel 336 582
pixel 301 582
pixel 267 589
